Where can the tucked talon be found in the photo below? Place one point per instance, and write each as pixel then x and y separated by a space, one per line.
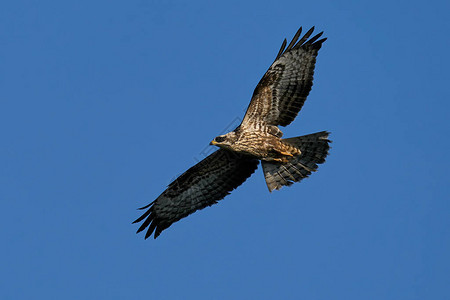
pixel 286 153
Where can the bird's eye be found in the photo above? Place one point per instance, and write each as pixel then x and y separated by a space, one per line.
pixel 220 139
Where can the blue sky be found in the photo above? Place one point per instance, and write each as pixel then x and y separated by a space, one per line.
pixel 103 103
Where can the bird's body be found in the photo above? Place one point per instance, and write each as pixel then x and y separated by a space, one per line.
pixel 276 101
pixel 261 144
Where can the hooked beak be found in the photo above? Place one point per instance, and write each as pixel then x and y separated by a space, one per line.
pixel 213 142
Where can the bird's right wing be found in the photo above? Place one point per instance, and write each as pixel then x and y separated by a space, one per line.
pixel 280 94
pixel 202 185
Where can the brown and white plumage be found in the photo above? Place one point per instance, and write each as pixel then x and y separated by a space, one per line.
pixel 276 101
pixel 281 92
pixel 314 148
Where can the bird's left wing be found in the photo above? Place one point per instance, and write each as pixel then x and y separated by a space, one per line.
pixel 202 185
pixel 280 94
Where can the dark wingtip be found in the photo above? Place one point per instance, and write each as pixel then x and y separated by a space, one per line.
pixel 147 206
pixel 143 226
pixel 297 43
pixel 294 39
pixel 305 37
pixel 139 229
pixel 314 38
pixel 148 218
pixel 150 229
pixel 283 46
pixel 147 234
pixel 151 222
pixel 144 215
pixel 321 41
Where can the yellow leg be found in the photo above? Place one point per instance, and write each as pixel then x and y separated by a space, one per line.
pixel 281 160
pixel 286 153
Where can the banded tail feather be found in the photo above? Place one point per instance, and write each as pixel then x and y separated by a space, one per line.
pixel 314 148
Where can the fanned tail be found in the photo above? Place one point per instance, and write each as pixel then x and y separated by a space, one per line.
pixel 314 148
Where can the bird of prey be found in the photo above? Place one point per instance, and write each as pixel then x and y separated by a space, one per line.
pixel 276 101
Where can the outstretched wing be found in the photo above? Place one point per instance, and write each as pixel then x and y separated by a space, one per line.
pixel 280 94
pixel 202 185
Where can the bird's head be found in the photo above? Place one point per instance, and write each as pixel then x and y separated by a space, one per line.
pixel 224 141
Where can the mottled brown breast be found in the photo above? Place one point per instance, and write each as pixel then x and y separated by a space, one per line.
pixel 263 145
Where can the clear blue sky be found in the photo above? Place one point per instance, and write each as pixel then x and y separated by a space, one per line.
pixel 103 103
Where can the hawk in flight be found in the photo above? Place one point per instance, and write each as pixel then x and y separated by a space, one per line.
pixel 276 101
